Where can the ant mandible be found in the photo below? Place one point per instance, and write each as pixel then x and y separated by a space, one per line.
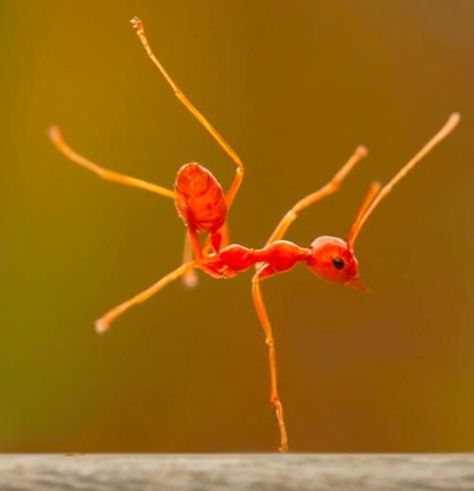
pixel 203 206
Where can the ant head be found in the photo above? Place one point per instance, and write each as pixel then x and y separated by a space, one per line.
pixel 332 259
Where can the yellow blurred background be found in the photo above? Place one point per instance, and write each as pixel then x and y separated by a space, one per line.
pixel 294 86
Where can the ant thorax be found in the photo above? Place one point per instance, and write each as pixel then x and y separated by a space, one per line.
pixel 277 257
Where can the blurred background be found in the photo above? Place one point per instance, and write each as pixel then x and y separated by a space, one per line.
pixel 294 87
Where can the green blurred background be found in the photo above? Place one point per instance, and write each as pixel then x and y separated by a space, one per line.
pixel 294 86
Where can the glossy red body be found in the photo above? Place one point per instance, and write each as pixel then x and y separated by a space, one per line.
pixel 324 251
pixel 200 200
pixel 201 204
pixel 278 257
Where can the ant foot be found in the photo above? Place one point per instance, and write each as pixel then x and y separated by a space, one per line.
pixel 54 134
pixel 362 151
pixel 101 325
pixel 137 23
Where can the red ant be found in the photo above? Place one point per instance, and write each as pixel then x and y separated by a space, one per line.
pixel 203 206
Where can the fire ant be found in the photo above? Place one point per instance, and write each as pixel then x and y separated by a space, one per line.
pixel 203 206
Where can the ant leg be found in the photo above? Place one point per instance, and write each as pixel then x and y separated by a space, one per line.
pixel 329 188
pixel 103 324
pixel 190 278
pixel 59 142
pixel 195 243
pixel 225 235
pixel 224 240
pixel 269 341
pixel 139 27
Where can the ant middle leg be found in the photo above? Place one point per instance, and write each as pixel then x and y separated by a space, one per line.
pixel 103 324
pixel 270 342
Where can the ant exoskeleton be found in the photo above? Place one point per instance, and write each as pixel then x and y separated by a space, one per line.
pixel 203 206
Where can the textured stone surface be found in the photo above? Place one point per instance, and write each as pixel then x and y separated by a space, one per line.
pixel 256 472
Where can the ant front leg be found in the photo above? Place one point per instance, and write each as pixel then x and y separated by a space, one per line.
pixel 270 342
pixel 331 187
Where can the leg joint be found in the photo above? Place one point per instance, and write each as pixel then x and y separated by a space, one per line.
pixel 291 215
pixel 270 342
pixel 275 400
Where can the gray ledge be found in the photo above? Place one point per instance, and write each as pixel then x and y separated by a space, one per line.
pixel 256 472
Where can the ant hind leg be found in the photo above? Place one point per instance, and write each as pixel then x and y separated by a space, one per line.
pixel 58 141
pixel 239 173
pixel 190 278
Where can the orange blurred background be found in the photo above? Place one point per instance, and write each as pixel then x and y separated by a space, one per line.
pixel 294 87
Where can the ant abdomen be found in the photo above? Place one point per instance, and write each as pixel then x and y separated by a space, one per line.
pixel 200 200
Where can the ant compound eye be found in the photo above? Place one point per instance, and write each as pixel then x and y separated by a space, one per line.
pixel 338 263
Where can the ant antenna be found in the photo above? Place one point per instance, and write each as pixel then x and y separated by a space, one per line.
pixel 374 198
pixel 373 191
